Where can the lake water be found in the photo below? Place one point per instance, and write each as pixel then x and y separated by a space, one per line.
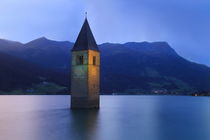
pixel 119 118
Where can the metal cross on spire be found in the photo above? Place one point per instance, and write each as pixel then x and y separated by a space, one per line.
pixel 86 14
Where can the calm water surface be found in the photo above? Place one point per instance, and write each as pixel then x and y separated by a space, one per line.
pixel 119 118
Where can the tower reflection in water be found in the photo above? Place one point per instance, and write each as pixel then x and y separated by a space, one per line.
pixel 84 124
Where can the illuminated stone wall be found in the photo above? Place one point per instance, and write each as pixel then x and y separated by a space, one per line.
pixel 85 80
pixel 79 86
pixel 93 74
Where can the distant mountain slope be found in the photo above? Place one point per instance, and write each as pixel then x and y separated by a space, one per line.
pixel 150 67
pixel 47 53
pixel 130 68
pixel 17 74
pixel 9 46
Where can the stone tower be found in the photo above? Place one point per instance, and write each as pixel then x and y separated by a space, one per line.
pixel 85 71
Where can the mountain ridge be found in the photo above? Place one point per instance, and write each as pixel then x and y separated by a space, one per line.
pixel 132 67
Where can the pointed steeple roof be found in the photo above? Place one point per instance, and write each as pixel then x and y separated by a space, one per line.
pixel 85 40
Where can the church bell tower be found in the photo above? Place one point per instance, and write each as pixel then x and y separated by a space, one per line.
pixel 85 71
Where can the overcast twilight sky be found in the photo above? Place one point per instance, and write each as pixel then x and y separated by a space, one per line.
pixel 184 24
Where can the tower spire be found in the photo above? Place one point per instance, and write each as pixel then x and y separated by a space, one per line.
pixel 85 39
